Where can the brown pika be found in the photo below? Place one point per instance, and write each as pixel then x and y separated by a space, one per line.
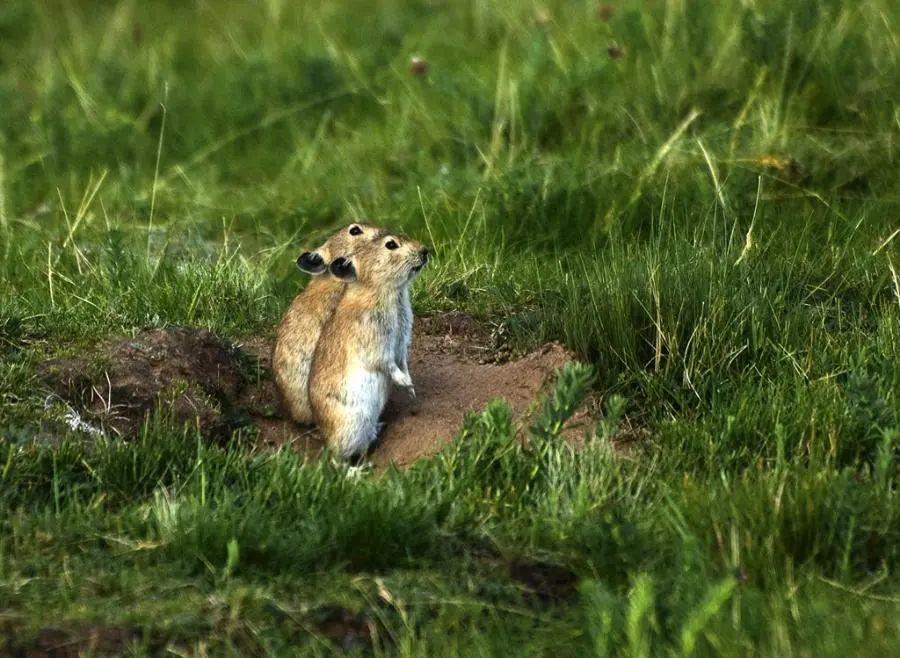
pixel 299 329
pixel 363 346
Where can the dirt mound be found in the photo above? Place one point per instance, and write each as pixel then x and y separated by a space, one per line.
pixel 186 373
pixel 198 379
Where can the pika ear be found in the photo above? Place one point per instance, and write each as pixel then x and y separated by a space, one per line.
pixel 343 269
pixel 311 263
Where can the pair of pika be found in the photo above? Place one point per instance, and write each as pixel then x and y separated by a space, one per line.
pixel 346 337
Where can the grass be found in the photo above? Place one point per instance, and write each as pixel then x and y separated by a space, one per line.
pixel 706 213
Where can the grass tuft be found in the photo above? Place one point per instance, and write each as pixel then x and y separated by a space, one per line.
pixel 699 199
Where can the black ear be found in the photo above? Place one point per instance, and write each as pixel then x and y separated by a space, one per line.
pixel 343 269
pixel 311 263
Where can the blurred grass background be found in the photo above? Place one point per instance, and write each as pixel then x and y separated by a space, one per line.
pixel 699 198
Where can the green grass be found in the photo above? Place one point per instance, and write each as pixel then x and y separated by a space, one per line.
pixel 710 220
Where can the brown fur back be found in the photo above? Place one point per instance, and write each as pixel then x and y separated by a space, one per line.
pixel 295 343
pixel 356 358
pixel 299 329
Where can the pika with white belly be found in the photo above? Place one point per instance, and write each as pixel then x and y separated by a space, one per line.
pixel 363 346
pixel 300 327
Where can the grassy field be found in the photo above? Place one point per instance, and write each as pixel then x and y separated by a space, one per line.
pixel 698 198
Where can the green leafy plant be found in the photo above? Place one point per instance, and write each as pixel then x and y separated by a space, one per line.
pixel 572 383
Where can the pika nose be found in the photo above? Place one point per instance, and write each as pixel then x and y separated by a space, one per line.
pixel 424 254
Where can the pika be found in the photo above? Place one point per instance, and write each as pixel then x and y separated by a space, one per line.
pixel 364 344
pixel 299 329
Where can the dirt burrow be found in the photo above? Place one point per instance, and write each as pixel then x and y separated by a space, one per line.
pixel 187 373
pixel 197 378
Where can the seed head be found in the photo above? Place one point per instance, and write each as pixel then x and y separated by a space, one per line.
pixel 605 12
pixel 615 51
pixel 418 66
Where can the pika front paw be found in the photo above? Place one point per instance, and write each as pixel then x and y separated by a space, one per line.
pixel 402 379
pixel 407 383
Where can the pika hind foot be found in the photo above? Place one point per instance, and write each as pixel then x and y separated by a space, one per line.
pixel 353 469
pixel 356 473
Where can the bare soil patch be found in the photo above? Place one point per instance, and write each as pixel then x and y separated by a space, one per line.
pixel 52 642
pixel 448 384
pixel 348 630
pixel 544 582
pixel 188 374
pixel 197 378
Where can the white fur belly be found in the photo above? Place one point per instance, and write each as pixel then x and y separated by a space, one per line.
pixel 367 392
pixel 365 395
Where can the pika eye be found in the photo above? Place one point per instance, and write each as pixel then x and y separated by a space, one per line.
pixel 390 244
pixel 355 230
